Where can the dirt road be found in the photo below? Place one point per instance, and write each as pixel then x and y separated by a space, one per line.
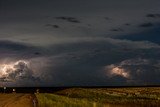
pixel 17 100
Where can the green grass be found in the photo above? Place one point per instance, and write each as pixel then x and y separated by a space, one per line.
pixel 52 100
pixel 87 97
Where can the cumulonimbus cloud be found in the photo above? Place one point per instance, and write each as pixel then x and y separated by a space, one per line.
pixel 137 71
pixel 16 71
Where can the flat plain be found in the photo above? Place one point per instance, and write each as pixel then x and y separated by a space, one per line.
pixel 85 97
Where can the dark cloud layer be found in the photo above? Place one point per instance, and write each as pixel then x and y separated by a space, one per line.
pixel 79 43
pixel 19 50
pixel 82 63
pixel 149 35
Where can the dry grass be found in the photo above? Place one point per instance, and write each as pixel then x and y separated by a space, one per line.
pixel 15 100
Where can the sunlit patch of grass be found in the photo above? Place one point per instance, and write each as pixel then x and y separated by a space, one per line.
pixel 52 100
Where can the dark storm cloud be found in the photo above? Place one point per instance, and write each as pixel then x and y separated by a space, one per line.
pixel 148 24
pixel 19 73
pixel 84 43
pixel 153 15
pixel 51 25
pixel 22 21
pixel 140 71
pixel 151 35
pixel 22 71
pixel 18 50
pixel 13 45
pixel 116 30
pixel 22 63
pixel 66 64
pixel 69 19
pixel 37 53
pixel 107 18
pixel 82 59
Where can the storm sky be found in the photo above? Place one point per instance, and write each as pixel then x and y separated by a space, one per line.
pixel 79 42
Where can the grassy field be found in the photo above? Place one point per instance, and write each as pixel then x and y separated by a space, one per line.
pixel 89 97
pixel 52 100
